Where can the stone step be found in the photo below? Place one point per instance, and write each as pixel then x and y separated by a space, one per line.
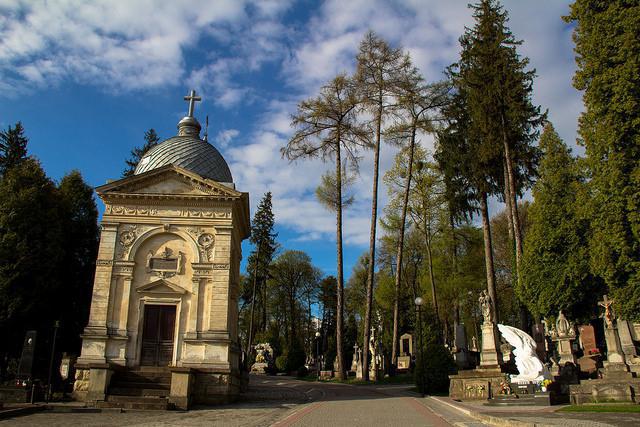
pixel 141 384
pixel 135 402
pixel 144 392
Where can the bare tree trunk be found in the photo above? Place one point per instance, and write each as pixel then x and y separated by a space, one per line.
pixel 488 255
pixel 400 250
pixel 340 290
pixel 372 247
pixel 432 279
pixel 265 323
pixel 507 199
pixel 253 301
pixel 513 201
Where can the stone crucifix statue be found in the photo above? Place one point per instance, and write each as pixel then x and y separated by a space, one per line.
pixel 609 315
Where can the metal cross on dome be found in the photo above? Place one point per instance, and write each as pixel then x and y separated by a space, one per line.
pixel 192 98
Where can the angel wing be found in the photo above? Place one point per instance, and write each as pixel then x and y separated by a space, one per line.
pixel 522 342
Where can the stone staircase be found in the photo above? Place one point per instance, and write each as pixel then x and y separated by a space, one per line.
pixel 142 388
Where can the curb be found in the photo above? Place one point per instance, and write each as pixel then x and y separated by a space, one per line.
pixel 17 412
pixel 489 419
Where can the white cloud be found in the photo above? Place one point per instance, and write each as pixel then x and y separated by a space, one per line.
pixel 224 137
pixel 120 45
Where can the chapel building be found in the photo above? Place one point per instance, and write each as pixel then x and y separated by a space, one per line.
pixel 163 325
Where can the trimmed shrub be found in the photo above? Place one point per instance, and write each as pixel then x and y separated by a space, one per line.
pixel 281 363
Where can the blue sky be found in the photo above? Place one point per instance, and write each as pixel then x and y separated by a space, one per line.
pixel 87 79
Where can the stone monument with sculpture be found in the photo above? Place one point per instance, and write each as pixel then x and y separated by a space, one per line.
pixel 484 381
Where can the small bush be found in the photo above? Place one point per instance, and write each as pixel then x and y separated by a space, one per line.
pixel 432 373
pixel 281 363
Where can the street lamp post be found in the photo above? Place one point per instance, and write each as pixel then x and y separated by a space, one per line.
pixel 419 301
pixel 318 353
pixel 53 351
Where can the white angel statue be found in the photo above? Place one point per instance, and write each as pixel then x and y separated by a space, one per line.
pixel 530 368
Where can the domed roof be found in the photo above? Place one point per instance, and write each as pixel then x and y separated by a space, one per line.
pixel 188 152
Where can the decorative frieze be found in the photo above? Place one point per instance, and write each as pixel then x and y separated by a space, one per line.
pixel 162 211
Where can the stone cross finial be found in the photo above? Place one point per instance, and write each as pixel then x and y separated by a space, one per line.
pixel 609 316
pixel 192 98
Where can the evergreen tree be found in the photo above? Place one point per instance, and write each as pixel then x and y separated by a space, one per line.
pixel 79 216
pixel 608 58
pixel 327 128
pixel 556 264
pixel 264 240
pixel 31 253
pixel 151 139
pixel 503 122
pixel 13 147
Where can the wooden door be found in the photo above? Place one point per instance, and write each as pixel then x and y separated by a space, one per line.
pixel 157 335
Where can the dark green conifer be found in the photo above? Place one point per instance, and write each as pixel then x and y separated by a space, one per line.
pixel 151 139
pixel 608 58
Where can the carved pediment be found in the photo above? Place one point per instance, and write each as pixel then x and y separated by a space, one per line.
pixel 161 287
pixel 167 180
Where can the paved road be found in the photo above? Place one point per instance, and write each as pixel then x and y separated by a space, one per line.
pixel 344 405
pixel 281 401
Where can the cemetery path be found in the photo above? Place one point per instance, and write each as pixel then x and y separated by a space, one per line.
pixel 284 401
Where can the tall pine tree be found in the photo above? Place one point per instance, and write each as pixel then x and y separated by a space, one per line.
pixel 13 147
pixel 608 58
pixel 503 122
pixel 264 240
pixel 151 139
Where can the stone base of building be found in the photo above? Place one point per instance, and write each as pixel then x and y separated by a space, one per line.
pixel 104 385
pixel 476 384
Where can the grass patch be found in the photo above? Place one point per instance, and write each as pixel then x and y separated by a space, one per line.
pixel 595 407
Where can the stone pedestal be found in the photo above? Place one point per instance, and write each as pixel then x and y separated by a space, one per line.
pixel 182 380
pixel 565 351
pixel 476 384
pixel 615 366
pixel 99 376
pixel 490 357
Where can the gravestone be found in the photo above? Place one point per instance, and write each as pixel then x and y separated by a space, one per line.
pixel 25 368
pixel 625 332
pixel 589 361
pixel 359 373
pixel 563 334
pixel 541 341
pixel 406 350
pixel 354 362
pixel 616 383
pixel 461 349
